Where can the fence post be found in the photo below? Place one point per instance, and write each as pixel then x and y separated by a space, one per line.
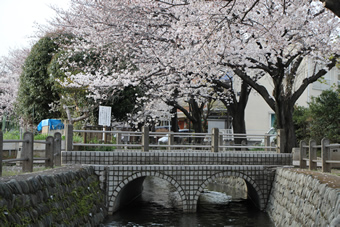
pixel 69 138
pixel 118 139
pixel 1 154
pixel 27 152
pixel 49 153
pixel 281 141
pixel 325 155
pixel 57 149
pixel 170 140
pixel 267 142
pixel 214 139
pixel 312 155
pixel 145 138
pixel 220 141
pixel 302 154
pixel 243 145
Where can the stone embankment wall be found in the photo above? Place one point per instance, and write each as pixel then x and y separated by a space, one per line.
pixel 72 198
pixel 299 200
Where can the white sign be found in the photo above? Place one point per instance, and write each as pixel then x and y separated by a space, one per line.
pixel 104 115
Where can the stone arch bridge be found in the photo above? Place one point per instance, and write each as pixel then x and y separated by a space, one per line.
pixel 122 172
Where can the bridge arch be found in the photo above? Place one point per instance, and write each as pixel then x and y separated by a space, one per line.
pixel 254 192
pixel 131 187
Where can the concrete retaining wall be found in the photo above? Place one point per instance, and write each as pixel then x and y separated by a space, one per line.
pixel 72 198
pixel 299 200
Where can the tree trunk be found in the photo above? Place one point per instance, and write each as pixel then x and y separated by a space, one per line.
pixel 239 126
pixel 237 111
pixel 174 120
pixel 284 119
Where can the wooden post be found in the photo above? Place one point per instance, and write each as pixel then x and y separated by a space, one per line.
pixel 312 155
pixel 220 142
pixel 302 154
pixel 243 145
pixel 145 138
pixel 57 149
pixel 281 141
pixel 1 146
pixel 85 135
pixel 69 138
pixel 27 152
pixel 49 153
pixel 325 155
pixel 170 140
pixel 214 139
pixel 267 142
pixel 104 135
pixel 118 139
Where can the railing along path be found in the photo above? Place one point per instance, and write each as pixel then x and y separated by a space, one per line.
pixel 326 159
pixel 146 140
pixel 52 151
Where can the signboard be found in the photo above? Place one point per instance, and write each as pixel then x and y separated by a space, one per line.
pixel 104 115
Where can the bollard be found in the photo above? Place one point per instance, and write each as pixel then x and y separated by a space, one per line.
pixel 57 149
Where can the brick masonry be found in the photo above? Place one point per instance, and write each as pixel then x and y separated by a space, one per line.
pixel 189 172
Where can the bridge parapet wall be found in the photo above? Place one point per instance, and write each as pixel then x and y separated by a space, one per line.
pixel 175 158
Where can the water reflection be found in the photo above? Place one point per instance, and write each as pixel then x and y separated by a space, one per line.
pixel 160 205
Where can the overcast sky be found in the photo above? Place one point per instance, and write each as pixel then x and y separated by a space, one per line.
pixel 17 18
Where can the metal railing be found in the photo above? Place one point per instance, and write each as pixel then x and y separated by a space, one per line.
pixel 52 151
pixel 146 140
pixel 308 155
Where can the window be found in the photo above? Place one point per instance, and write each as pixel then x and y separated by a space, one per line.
pixel 272 119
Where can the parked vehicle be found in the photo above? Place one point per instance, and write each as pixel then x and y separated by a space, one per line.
pixel 272 137
pixel 165 139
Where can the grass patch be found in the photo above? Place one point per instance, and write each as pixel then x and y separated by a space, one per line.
pixel 14 170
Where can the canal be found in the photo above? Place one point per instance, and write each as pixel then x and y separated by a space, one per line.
pixel 219 205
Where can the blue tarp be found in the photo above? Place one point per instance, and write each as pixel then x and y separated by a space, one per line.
pixel 52 124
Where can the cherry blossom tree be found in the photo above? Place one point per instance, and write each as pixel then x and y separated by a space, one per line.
pixel 189 46
pixel 273 38
pixel 148 36
pixel 10 70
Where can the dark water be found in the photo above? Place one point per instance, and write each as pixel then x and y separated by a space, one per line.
pixel 160 205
